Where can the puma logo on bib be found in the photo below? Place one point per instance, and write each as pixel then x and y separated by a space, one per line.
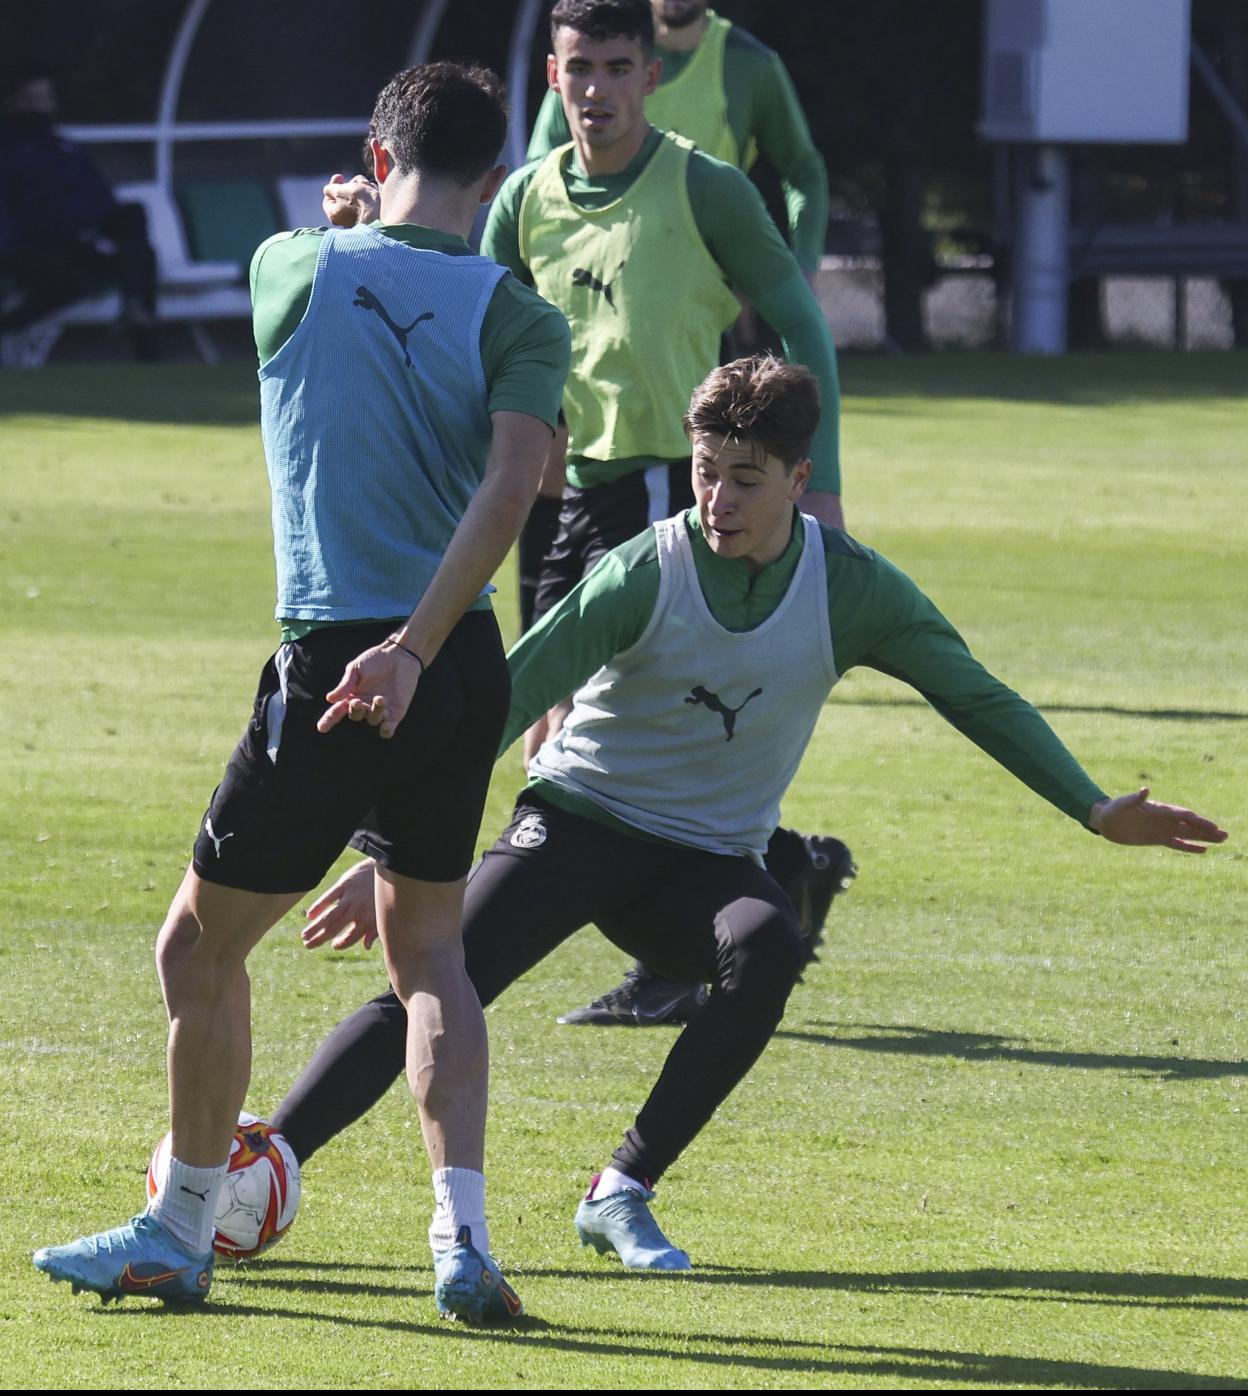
pixel 717 705
pixel 367 301
pixel 581 277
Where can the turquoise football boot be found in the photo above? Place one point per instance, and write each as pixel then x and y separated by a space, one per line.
pixel 469 1285
pixel 621 1222
pixel 138 1258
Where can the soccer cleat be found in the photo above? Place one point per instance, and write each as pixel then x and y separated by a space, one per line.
pixel 826 871
pixel 640 1000
pixel 138 1258
pixel 469 1285
pixel 621 1222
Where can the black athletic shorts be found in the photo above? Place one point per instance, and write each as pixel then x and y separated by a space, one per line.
pixel 292 798
pixel 592 521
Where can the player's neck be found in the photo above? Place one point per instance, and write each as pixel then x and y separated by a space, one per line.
pixel 432 203
pixel 682 40
pixel 612 159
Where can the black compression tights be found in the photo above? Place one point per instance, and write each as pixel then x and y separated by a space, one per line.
pixel 689 915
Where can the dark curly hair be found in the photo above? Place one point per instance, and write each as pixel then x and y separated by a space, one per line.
pixel 444 119
pixel 605 19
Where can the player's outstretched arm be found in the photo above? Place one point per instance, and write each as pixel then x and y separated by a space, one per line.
pixel 346 913
pixel 1135 819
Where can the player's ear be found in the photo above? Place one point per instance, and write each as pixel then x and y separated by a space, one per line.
pixel 799 479
pixel 653 69
pixel 493 182
pixel 382 163
pixel 552 72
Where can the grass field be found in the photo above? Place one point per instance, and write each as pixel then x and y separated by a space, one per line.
pixel 999 1140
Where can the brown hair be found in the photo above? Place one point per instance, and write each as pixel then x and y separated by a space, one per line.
pixel 763 400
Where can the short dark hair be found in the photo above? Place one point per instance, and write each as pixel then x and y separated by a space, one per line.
pixel 442 119
pixel 605 19
pixel 772 405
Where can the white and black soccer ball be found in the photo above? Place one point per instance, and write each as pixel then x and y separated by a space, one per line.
pixel 260 1195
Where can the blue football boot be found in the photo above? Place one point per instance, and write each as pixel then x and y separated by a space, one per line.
pixel 138 1258
pixel 469 1285
pixel 621 1222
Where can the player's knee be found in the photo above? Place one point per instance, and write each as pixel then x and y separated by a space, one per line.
pixel 761 952
pixel 194 964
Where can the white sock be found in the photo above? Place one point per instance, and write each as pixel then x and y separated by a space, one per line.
pixel 186 1204
pixel 612 1180
pixel 459 1200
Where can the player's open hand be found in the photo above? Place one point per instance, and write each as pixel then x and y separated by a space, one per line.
pixel 377 687
pixel 346 914
pixel 1135 819
pixel 347 202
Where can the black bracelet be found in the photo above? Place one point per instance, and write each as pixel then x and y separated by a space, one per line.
pixel 398 644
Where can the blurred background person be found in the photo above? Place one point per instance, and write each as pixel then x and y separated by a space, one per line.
pixel 63 234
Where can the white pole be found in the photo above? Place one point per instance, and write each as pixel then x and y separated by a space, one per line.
pixel 518 60
pixel 1041 251
pixel 171 90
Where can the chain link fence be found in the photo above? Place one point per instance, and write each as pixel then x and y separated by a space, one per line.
pixel 965 309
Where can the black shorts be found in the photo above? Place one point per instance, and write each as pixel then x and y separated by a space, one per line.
pixel 592 521
pixel 292 798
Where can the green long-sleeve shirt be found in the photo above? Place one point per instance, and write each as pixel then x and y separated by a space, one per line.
pixel 878 617
pixel 763 111
pixel 733 222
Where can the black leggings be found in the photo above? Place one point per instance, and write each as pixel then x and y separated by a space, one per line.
pixel 698 917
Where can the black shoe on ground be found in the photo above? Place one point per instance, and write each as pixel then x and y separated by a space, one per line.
pixel 640 1000
pixel 826 871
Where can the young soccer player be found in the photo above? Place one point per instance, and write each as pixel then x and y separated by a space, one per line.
pixel 700 654
pixel 408 394
pixel 638 238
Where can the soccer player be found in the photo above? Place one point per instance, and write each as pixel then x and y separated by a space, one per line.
pixel 701 654
pixel 408 394
pixel 637 238
pixel 732 97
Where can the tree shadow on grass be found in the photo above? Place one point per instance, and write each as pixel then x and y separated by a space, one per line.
pixel 908 1040
pixel 1077 380
pixel 178 394
pixel 952 1366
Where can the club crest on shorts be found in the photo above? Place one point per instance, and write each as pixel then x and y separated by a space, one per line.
pixel 531 832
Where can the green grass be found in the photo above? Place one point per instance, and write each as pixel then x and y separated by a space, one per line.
pixel 999 1139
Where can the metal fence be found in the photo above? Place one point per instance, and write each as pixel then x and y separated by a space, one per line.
pixel 964 310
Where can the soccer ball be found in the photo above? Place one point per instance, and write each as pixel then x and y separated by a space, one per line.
pixel 260 1194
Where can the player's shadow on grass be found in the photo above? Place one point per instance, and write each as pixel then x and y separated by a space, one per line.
pixel 1095 709
pixel 907 1040
pixel 1130 1288
pixel 953 1367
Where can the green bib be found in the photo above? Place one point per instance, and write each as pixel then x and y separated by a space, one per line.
pixel 645 300
pixel 695 104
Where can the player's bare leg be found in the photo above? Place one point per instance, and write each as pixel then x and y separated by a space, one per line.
pixel 201 955
pixel 166 1252
pixel 447 1049
pixel 421 930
